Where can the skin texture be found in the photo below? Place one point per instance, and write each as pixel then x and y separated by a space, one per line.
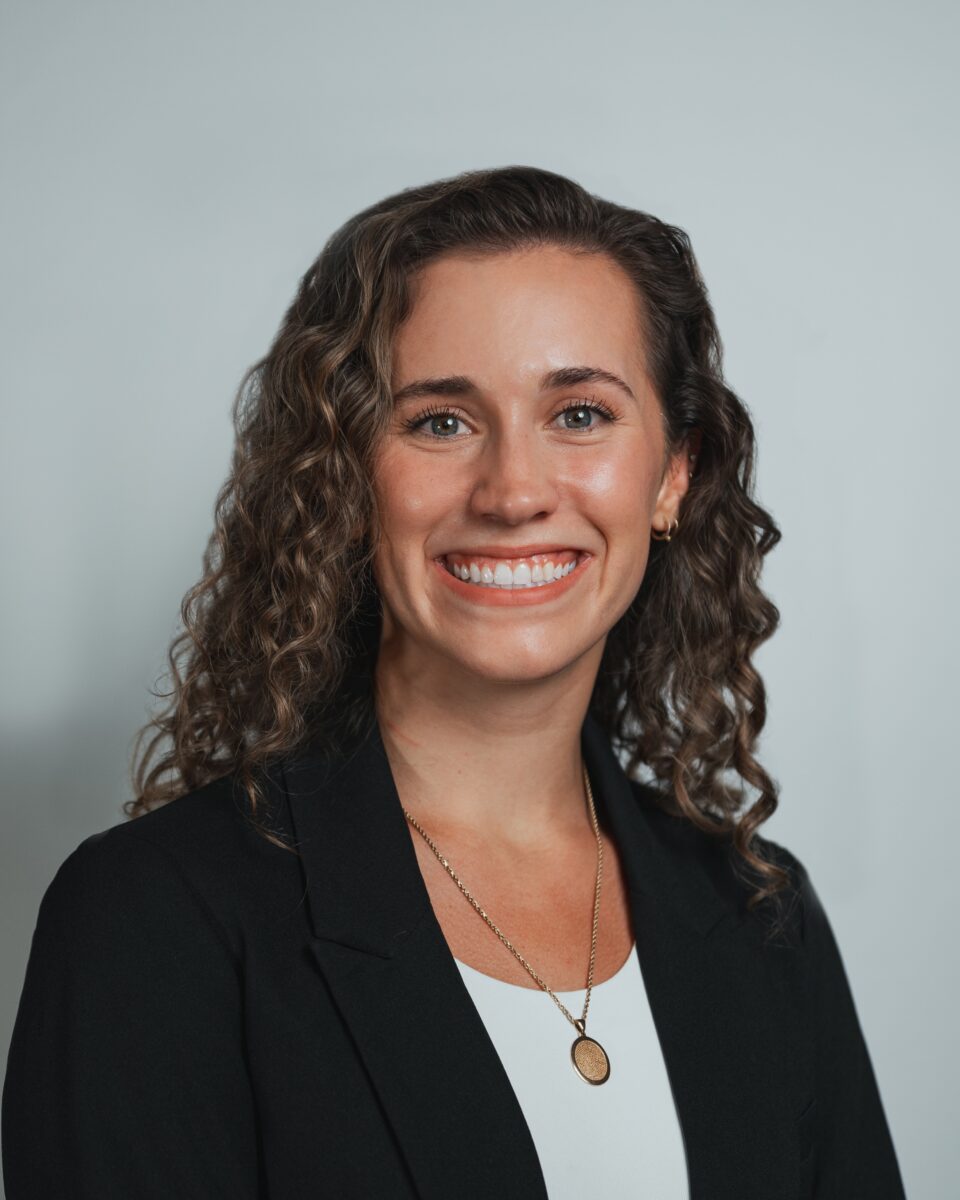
pixel 481 705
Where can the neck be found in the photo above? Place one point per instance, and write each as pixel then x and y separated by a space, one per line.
pixel 495 761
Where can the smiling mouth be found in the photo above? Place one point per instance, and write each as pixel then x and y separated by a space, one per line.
pixel 513 574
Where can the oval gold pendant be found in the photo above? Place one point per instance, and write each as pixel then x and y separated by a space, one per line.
pixel 590 1060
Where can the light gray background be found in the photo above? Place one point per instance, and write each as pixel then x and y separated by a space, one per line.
pixel 171 170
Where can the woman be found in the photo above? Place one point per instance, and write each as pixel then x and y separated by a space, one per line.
pixel 394 918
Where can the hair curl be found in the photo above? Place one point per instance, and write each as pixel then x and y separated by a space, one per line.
pixel 280 633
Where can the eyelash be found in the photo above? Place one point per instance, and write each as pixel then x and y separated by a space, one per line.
pixel 412 424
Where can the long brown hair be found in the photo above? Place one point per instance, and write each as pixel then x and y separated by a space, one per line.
pixel 280 633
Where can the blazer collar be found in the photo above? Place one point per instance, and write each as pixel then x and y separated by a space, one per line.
pixel 365 888
pixel 721 1014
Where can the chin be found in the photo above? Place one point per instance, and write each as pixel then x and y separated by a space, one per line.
pixel 508 663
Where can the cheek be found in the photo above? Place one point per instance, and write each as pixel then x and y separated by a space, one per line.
pixel 613 490
pixel 412 496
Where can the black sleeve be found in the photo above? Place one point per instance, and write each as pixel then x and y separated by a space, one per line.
pixel 853 1148
pixel 126 1075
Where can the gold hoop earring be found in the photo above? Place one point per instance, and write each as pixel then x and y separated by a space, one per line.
pixel 664 535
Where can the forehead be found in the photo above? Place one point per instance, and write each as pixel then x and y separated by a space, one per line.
pixel 519 312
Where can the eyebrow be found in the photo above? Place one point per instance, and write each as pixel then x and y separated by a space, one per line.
pixel 462 385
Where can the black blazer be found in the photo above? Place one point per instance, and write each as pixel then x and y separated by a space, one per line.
pixel 206 1015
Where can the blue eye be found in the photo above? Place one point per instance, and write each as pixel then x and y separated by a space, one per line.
pixel 583 410
pixel 440 419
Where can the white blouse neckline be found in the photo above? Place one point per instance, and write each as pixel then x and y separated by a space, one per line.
pixel 536 991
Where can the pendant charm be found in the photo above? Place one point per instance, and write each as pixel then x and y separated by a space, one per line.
pixel 590 1059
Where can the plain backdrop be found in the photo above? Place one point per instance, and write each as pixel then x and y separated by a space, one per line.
pixel 170 171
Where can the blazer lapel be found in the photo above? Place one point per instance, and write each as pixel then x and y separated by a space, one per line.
pixel 391 973
pixel 443 1087
pixel 730 1026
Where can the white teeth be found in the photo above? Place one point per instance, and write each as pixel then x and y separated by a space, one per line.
pixel 502 576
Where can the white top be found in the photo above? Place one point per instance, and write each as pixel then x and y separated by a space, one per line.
pixel 619 1138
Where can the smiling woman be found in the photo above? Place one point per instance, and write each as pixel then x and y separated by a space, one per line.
pixel 573 454
pixel 445 769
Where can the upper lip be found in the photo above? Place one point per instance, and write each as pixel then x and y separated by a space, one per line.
pixel 514 551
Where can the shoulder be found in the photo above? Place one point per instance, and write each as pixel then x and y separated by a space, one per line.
pixel 698 852
pixel 126 1058
pixel 197 858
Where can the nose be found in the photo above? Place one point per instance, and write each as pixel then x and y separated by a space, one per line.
pixel 515 478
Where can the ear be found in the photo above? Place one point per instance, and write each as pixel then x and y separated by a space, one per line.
pixel 676 479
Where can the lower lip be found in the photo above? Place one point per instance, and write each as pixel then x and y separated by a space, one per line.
pixel 513 597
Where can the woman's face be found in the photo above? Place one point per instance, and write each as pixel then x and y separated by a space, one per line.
pixel 514 457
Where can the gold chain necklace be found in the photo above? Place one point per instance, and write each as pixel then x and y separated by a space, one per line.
pixel 588 1056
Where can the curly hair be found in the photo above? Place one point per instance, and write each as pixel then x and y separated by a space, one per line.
pixel 280 633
